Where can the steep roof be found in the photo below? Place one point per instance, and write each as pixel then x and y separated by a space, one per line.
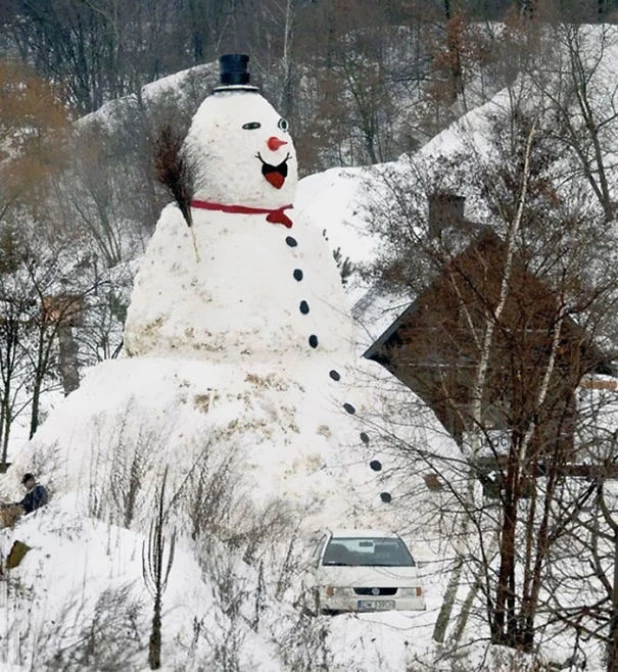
pixel 481 262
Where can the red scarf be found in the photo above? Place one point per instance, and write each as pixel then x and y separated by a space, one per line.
pixel 276 216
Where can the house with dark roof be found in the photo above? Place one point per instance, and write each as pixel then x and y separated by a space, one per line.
pixel 538 354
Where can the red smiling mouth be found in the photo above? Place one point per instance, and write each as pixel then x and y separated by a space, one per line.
pixel 275 175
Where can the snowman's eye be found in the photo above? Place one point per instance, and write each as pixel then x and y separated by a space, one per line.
pixel 283 124
pixel 252 125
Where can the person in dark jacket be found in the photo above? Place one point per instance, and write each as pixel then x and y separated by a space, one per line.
pixel 36 495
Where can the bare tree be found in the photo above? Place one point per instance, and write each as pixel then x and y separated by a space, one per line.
pixel 156 568
pixel 584 105
pixel 510 312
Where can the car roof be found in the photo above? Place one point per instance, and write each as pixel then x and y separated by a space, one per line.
pixel 362 533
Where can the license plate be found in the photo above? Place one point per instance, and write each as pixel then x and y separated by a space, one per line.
pixel 376 605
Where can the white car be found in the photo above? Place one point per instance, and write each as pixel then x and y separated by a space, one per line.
pixel 364 570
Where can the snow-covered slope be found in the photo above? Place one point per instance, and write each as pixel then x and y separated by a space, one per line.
pixel 182 86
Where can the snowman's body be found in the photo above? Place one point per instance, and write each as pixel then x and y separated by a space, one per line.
pixel 251 297
pixel 241 341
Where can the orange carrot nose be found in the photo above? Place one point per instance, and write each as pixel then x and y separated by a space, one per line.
pixel 274 143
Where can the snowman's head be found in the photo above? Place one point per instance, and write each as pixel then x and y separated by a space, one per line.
pixel 240 151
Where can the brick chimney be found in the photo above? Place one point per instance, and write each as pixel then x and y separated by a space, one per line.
pixel 445 211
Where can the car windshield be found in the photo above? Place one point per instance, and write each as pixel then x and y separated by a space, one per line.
pixel 367 552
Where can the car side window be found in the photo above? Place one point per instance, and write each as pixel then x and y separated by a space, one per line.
pixel 318 550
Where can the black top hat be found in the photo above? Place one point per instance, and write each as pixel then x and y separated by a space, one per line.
pixel 234 73
pixel 233 69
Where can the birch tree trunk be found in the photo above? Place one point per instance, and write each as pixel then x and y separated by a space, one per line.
pixel 485 342
pixel 501 620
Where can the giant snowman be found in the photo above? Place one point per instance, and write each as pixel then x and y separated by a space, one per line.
pixel 240 392
pixel 240 352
